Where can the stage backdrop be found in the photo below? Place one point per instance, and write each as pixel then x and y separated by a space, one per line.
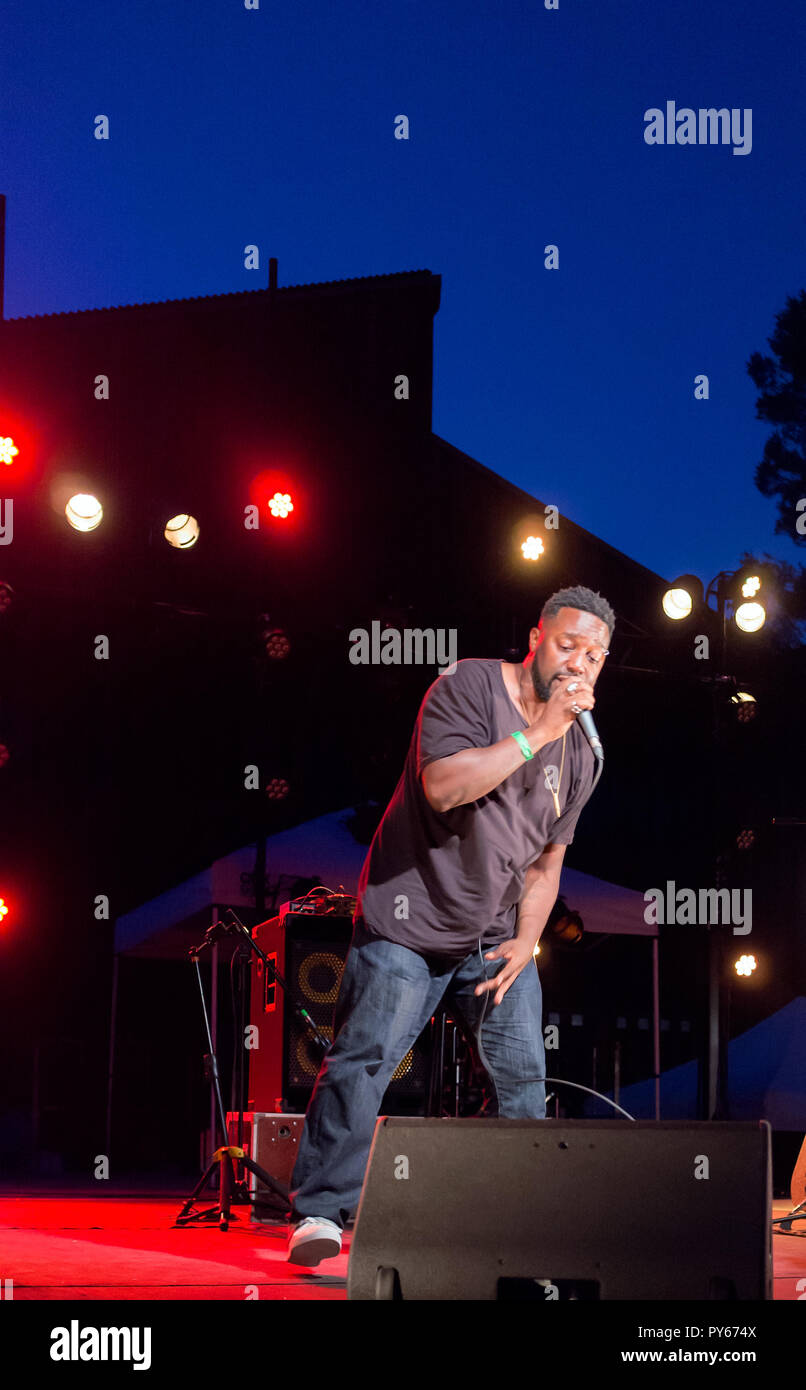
pixel 766 1077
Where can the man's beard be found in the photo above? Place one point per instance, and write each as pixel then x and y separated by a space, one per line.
pixel 542 688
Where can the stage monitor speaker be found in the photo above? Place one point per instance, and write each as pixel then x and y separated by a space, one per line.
pixel 309 950
pixel 534 1210
pixel 272 1142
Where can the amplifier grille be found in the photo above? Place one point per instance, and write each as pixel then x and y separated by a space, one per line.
pixel 314 970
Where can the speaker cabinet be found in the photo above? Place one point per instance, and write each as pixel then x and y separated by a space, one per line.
pixel 309 951
pixel 526 1210
pixel 272 1142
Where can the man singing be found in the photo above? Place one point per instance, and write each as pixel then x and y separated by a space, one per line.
pixel 463 870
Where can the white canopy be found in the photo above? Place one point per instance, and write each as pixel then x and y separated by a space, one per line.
pixel 168 924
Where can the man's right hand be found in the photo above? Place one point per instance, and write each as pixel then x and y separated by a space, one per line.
pixel 557 716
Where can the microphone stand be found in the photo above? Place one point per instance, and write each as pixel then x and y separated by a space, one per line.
pixel 233 1190
pixel 272 974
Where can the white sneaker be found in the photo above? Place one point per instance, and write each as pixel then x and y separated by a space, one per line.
pixel 314 1239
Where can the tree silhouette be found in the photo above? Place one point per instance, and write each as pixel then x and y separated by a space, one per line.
pixel 782 384
pixel 783 594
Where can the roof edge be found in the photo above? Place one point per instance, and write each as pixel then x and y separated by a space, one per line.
pixel 530 498
pixel 350 284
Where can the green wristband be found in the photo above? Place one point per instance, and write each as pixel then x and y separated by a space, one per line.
pixel 522 743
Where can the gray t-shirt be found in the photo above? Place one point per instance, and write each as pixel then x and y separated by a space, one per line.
pixel 437 881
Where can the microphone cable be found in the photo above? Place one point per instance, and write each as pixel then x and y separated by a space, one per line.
pixel 487 993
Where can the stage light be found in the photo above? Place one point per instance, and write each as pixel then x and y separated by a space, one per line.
pixel 745 713
pixel 745 965
pixel 677 604
pixel 3 909
pixel 4 755
pixel 750 616
pixel 565 923
pixel 277 789
pixel 276 644
pixel 278 492
pixel 681 596
pixel 8 450
pixel 84 512
pixel 745 839
pixel 532 548
pixel 280 504
pixel 182 531
pixel 751 586
pixel 6 596
pixel 746 706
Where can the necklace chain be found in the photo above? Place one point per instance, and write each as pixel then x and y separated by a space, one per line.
pixel 555 794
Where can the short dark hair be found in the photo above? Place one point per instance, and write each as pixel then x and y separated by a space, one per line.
pixel 584 599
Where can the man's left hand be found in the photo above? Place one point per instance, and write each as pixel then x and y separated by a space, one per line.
pixel 517 955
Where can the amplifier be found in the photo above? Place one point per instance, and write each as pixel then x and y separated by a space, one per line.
pixel 271 1141
pixel 309 951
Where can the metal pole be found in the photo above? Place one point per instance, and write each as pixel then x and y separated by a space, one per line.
pixel 721 607
pixel 35 1105
pixel 725 988
pixel 711 1097
pixel 260 875
pixel 111 1070
pixel 656 1024
pixel 214 1033
pixel 714 971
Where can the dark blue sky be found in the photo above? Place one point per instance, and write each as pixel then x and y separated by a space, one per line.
pixel 276 126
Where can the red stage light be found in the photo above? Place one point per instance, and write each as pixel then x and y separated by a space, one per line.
pixel 280 504
pixel 277 644
pixel 3 909
pixel 8 449
pixel 20 444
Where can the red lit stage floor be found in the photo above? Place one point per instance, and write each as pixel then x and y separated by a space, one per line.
pixel 116 1247
pixel 127 1248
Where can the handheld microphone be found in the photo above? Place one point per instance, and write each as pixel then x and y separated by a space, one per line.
pixel 585 720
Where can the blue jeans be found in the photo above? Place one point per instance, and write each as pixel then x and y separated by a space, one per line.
pixel 388 994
